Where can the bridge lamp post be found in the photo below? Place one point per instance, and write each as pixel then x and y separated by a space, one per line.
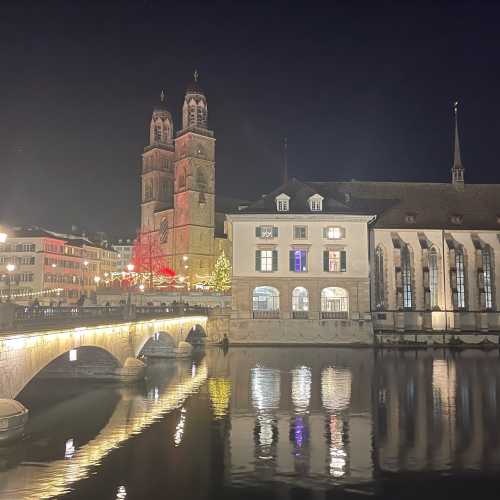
pixel 130 268
pixel 10 269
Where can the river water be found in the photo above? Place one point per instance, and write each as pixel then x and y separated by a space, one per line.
pixel 268 423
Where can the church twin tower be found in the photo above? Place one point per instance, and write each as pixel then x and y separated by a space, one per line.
pixel 178 186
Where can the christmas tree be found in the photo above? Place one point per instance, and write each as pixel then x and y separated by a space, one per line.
pixel 220 279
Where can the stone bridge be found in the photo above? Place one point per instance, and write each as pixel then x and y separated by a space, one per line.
pixel 133 413
pixel 107 351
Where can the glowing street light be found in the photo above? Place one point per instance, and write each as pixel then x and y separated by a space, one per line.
pixel 184 258
pixel 130 267
pixel 10 269
pixel 54 265
pixel 3 237
pixel 97 279
pixel 141 287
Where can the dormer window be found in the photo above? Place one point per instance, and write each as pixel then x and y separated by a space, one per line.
pixel 283 203
pixel 316 203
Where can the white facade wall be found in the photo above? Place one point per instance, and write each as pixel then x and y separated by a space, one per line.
pixel 245 243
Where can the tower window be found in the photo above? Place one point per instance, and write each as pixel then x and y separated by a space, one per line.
pixel 157 135
pixel 406 278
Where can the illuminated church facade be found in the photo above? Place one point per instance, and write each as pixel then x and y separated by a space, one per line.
pixel 178 201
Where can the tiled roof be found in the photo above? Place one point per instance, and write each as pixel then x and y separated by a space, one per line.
pixel 396 204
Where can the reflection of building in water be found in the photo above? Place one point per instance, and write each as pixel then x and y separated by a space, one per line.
pixel 306 420
pixel 219 390
pixel 436 414
pixel 336 396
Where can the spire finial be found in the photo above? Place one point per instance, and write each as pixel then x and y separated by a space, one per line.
pixel 195 75
pixel 285 161
pixel 162 96
pixel 458 169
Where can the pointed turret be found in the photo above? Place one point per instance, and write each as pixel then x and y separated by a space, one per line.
pixel 457 171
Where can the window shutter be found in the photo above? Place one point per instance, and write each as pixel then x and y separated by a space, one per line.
pixel 342 232
pixel 257 261
pixel 325 232
pixel 292 260
pixel 275 232
pixel 258 232
pixel 304 263
pixel 343 261
pixel 275 260
pixel 325 261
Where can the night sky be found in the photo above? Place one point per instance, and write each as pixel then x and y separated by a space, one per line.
pixel 362 92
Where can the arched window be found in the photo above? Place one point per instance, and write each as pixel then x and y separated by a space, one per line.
pixel 166 132
pixel 182 180
pixel 157 132
pixel 487 278
pixel 300 303
pixel 200 179
pixel 460 278
pixel 433 278
pixel 379 279
pixel 148 191
pixel 334 303
pixel 406 278
pixel 266 302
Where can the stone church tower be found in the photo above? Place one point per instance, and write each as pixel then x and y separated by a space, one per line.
pixel 194 192
pixel 178 187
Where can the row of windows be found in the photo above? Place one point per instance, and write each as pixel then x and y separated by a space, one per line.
pixel 19 247
pixel 457 276
pixel 67 264
pixel 315 203
pixel 20 261
pixel 300 232
pixel 333 261
pixel 21 277
pixel 61 278
pixel 334 303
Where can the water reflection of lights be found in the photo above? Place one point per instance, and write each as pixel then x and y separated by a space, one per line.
pixel 266 433
pixel 299 431
pixel 336 388
pixel 179 429
pixel 444 386
pixel 130 418
pixel 337 465
pixel 121 494
pixel 265 385
pixel 301 388
pixel 219 390
pixel 70 448
pixel 193 370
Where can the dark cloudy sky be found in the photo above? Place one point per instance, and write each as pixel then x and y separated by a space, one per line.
pixel 361 91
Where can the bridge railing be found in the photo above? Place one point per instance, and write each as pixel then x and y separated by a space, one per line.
pixel 31 316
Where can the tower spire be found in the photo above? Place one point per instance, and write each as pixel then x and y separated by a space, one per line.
pixel 285 161
pixel 457 171
pixel 162 96
pixel 195 75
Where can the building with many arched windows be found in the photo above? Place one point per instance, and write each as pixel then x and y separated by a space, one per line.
pixel 342 261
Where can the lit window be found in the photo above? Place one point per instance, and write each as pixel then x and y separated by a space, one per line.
pixel 334 261
pixel 282 203
pixel 334 233
pixel 487 275
pixel 73 356
pixel 406 278
pixel 298 261
pixel 266 232
pixel 433 278
pixel 316 203
pixel 379 279
pixel 460 279
pixel 266 260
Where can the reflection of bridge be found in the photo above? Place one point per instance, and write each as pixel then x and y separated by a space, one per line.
pixel 131 415
pixel 103 351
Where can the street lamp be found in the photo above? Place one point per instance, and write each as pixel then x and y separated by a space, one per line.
pixel 97 279
pixel 10 269
pixel 3 237
pixel 130 268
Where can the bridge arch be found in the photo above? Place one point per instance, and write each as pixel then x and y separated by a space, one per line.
pixel 159 344
pixel 197 335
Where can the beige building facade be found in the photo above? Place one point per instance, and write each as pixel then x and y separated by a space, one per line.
pixel 51 267
pixel 368 262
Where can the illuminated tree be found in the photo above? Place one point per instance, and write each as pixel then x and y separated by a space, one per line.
pixel 149 262
pixel 220 279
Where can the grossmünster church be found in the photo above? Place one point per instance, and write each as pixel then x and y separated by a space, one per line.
pixel 179 207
